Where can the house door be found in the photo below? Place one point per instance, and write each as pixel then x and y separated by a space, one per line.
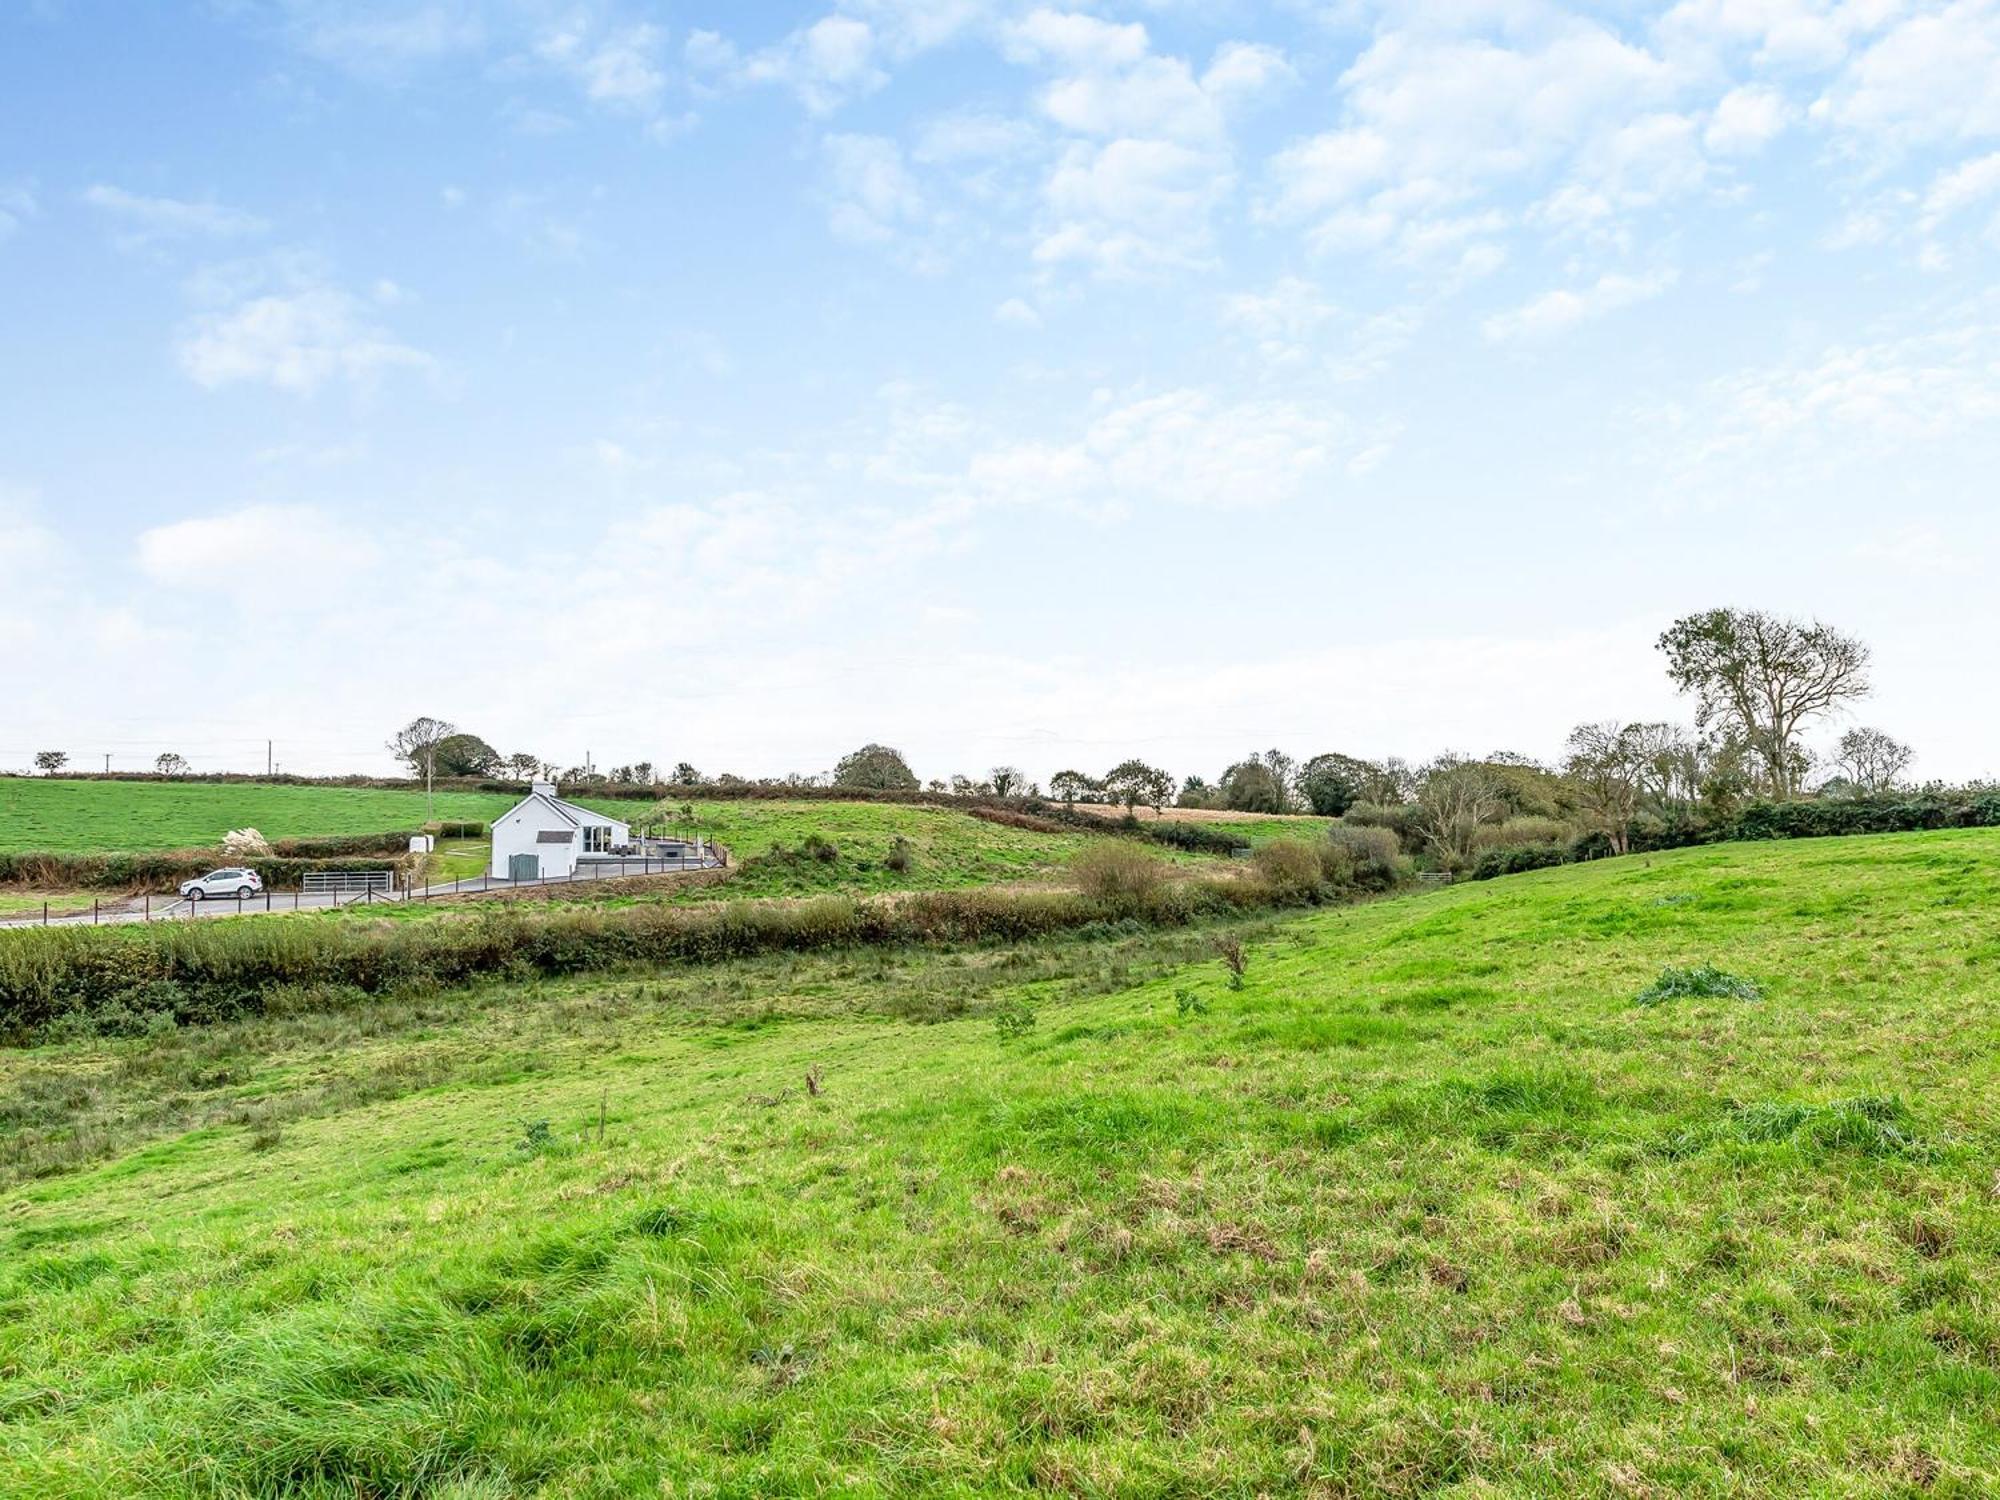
pixel 524 867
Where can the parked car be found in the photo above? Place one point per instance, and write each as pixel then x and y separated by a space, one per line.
pixel 232 883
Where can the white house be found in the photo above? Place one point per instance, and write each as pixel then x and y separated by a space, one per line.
pixel 543 837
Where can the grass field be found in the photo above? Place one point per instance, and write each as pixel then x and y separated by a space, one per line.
pixel 80 817
pixel 1432 1205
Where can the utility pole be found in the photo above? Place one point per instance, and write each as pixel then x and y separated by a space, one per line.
pixel 107 763
pixel 270 766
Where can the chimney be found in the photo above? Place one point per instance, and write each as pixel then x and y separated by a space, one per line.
pixel 543 788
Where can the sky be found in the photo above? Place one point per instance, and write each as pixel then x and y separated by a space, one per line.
pixel 1019 383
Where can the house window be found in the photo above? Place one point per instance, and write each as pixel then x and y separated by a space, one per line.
pixel 596 839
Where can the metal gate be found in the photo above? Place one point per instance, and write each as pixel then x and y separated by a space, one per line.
pixel 524 867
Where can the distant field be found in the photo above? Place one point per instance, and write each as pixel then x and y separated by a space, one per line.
pixel 1433 1205
pixel 81 817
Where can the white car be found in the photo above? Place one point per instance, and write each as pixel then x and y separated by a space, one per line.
pixel 230 883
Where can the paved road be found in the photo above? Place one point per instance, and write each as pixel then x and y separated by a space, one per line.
pixel 173 909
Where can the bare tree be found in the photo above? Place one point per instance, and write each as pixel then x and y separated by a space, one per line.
pixel 1458 797
pixel 1763 678
pixel 416 745
pixel 1873 761
pixel 1008 781
pixel 170 764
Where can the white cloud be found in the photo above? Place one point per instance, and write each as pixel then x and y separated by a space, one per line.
pixel 384 36
pixel 1243 73
pixel 620 68
pixel 1933 76
pixel 824 64
pixel 1076 40
pixel 1157 97
pixel 1183 448
pixel 1282 321
pixel 874 195
pixel 295 340
pixel 145 220
pixel 17 206
pixel 1961 187
pixel 1131 206
pixel 1557 311
pixel 257 554
pixel 1920 550
pixel 1016 312
pixel 1746 119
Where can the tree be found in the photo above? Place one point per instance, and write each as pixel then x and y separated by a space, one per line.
pixel 170 764
pixel 1606 767
pixel 1284 776
pixel 1070 786
pixel 1332 783
pixel 465 755
pixel 1008 781
pixel 1873 761
pixel 685 775
pixel 48 762
pixel 1196 792
pixel 1763 678
pixel 1457 799
pixel 875 768
pixel 1248 786
pixel 416 745
pixel 1133 782
pixel 525 765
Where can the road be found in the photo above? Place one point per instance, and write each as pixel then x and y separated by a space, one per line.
pixel 173 909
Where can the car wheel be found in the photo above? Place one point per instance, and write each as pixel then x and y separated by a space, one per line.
pixel 246 890
pixel 196 894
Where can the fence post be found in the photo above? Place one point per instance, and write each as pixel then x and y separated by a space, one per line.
pixel 45 913
pixel 93 911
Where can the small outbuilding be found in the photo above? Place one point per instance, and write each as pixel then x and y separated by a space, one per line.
pixel 543 837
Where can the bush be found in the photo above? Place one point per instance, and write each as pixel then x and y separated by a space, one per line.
pixel 1118 876
pixel 1292 868
pixel 900 855
pixel 1367 859
pixel 1400 821
pixel 1497 862
pixel 1521 832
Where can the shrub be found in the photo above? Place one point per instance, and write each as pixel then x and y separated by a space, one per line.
pixel 822 849
pixel 1291 867
pixel 1518 861
pixel 1118 875
pixel 1702 982
pixel 900 855
pixel 1400 821
pixel 1364 858
pixel 1521 832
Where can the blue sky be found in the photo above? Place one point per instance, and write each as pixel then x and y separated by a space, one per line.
pixel 1009 382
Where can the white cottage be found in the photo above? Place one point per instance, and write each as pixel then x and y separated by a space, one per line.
pixel 543 837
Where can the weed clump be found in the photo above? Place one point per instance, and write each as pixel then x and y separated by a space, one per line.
pixel 1229 948
pixel 1702 982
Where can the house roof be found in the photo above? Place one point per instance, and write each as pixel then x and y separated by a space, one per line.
pixel 569 812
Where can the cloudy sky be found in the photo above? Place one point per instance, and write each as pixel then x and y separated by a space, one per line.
pixel 736 382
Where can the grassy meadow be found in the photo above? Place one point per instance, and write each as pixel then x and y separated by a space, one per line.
pixel 50 814
pixel 1430 1205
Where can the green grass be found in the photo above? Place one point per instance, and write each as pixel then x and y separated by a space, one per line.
pixel 1429 1207
pixel 79 817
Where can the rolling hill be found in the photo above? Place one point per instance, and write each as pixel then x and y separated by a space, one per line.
pixel 1658 1176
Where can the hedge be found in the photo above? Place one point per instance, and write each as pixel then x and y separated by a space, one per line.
pixel 207 971
pixel 165 869
pixel 1810 818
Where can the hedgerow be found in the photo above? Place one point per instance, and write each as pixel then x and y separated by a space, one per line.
pixel 203 971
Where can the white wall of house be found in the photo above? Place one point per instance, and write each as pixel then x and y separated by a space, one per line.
pixel 557 833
